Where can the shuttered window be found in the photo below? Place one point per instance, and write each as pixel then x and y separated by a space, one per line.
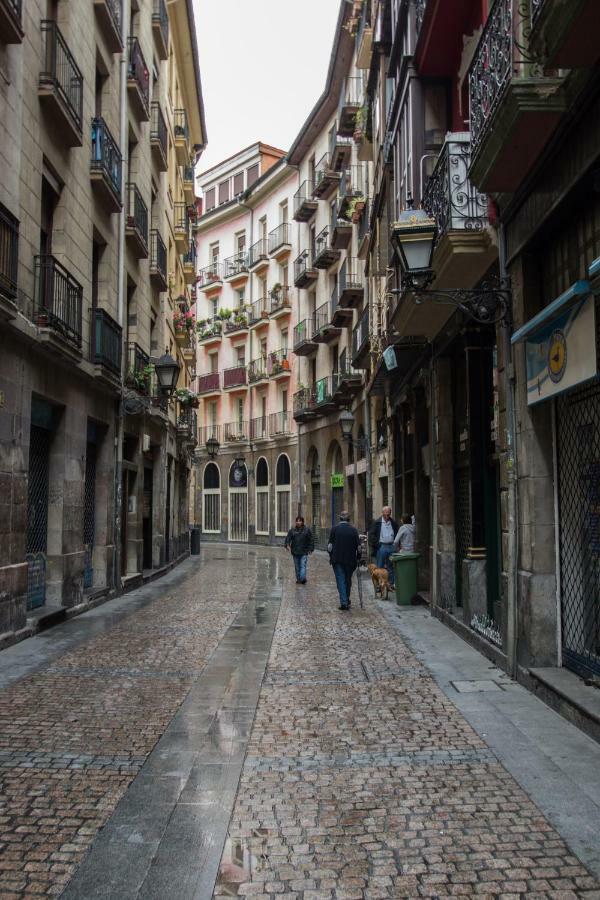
pixel 252 174
pixel 210 198
pixel 238 183
pixel 224 192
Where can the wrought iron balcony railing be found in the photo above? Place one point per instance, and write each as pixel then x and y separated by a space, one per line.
pixel 140 373
pixel 303 264
pixel 279 237
pixel 62 73
pixel 236 264
pixel 160 18
pixel 304 204
pixel 280 297
pixel 258 252
pixel 106 341
pixel 449 196
pixel 106 156
pixel 304 331
pixel 211 274
pixel 114 9
pixel 59 298
pixel 360 335
pixel 420 7
pixel 158 254
pixel 158 128
pixel 137 213
pixel 181 217
pixel 235 376
pixel 236 431
pixel 258 310
pixel 9 253
pixel 278 362
pixel 180 125
pixel 259 428
pixel 138 72
pixel 189 257
pixel 280 423
pixel 205 432
pixel 303 400
pixel 324 390
pixel 209 383
pixel 536 8
pixel 257 369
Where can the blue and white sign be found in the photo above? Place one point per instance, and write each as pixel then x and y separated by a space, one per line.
pixel 562 353
pixel 389 358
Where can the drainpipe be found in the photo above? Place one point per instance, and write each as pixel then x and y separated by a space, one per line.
pixel 512 560
pixel 368 454
pixel 118 487
pixel 433 480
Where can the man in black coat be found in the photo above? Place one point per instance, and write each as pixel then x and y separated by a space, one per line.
pixel 300 542
pixel 344 550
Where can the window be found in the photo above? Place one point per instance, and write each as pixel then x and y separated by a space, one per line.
pixel 252 175
pixel 214 253
pixel 211 499
pixel 223 192
pixel 240 411
pixel 210 199
pixel 241 296
pixel 214 362
pixel 262 228
pixel 241 355
pixel 284 276
pixel 262 496
pixel 283 495
pixel 284 400
pixel 283 213
pixel 238 183
pixel 213 415
pixel 215 306
pixel 263 348
pixel 240 242
pixel 284 340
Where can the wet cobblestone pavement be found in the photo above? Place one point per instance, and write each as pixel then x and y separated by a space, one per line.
pixel 359 777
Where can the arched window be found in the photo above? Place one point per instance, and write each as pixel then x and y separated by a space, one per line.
pixel 283 495
pixel 211 499
pixel 262 496
pixel 238 502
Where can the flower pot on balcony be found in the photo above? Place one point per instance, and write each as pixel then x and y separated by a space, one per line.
pixel 285 365
pixel 181 337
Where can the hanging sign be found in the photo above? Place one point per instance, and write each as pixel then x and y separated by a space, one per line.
pixel 337 481
pixel 562 354
pixel 389 358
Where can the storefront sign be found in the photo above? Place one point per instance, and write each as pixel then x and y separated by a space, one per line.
pixel 562 353
pixel 337 481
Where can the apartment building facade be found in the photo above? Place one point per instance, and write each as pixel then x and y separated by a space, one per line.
pixel 246 312
pixel 102 109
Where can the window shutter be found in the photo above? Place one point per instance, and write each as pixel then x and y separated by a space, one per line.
pixel 238 183
pixel 224 192
pixel 210 199
pixel 252 174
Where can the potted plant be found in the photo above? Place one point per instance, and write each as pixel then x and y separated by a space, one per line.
pixel 225 314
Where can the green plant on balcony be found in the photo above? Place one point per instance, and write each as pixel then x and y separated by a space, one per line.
pixel 225 314
pixel 139 379
pixel 187 397
pixel 355 208
pixel 276 290
pixel 210 329
pixel 184 320
pixel 240 320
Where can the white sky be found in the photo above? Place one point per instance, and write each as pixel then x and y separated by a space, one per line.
pixel 263 65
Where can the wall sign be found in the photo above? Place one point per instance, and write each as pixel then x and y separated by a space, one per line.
pixel 562 354
pixel 337 481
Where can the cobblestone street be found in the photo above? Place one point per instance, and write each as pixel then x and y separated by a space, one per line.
pixel 358 776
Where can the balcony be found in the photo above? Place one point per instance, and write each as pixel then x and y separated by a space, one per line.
pixel 182 136
pixel 341 317
pixel 259 428
pixel 281 301
pixel 257 370
pixel 514 107
pixel 238 324
pixel 210 333
pixel 11 27
pixel 364 39
pixel 324 402
pixel 258 256
pixel 236 267
pixel 279 366
pixel 210 277
pixel 280 424
pixel 58 306
pixel 564 35
pixel 109 14
pixel 304 404
pixel 351 284
pixel 364 231
pixel 187 425
pixel 160 28
pixel 138 81
pixel 258 313
pixel 236 432
pixel 360 342
pixel 305 273
pixel 326 178
pixel 181 226
pixel 189 191
pixel 188 260
pixel 325 256
pixel 136 223
pixel 106 166
pixel 341 232
pixel 9 263
pixel 206 432
pixel 340 151
pixel 352 195
pixel 209 384
pixel 106 347
pixel 159 141
pixel 280 241
pixel 304 205
pixel 304 342
pixel 350 102
pixel 464 250
pixel 440 35
pixel 61 85
pixel 347 381
pixel 158 261
pixel 325 330
pixel 139 371
pixel 235 378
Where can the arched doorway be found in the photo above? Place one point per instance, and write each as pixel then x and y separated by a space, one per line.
pixel 238 502
pixel 262 496
pixel 336 481
pixel 211 499
pixel 313 509
pixel 283 495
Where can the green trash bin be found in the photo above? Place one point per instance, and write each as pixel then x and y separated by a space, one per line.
pixel 405 575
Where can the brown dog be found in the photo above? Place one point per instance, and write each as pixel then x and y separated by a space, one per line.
pixel 380 579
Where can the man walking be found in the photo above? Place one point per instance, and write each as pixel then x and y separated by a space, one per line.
pixel 381 541
pixel 300 542
pixel 343 549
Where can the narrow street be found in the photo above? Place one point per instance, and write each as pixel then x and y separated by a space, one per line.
pixel 224 732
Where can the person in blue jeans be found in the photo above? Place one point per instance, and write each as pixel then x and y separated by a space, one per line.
pixel 300 542
pixel 344 550
pixel 381 541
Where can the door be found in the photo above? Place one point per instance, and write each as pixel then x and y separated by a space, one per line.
pixel 147 517
pixel 37 515
pixel 89 514
pixel 238 502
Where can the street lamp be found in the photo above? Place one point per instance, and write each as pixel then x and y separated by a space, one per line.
pixel 346 424
pixel 346 421
pixel 212 446
pixel 413 240
pixel 167 371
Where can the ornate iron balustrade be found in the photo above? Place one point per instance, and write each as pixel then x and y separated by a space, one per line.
pixel 302 264
pixel 180 124
pixel 61 71
pixel 278 361
pixel 259 428
pixel 160 16
pixel 257 252
pixel 257 369
pixel 138 70
pixel 9 253
pixel 59 298
pixel 280 298
pixel 140 373
pixel 158 127
pixel 536 8
pixel 107 341
pixel 236 264
pixel 304 331
pixel 279 237
pixel 303 400
pixel 258 310
pixel 449 196
pixel 501 55
pixel 158 254
pixel 210 274
pixel 280 423
pixel 235 431
pixel 235 376
pixel 137 213
pixel 106 156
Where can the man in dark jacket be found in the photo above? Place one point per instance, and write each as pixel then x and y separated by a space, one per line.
pixel 343 549
pixel 381 541
pixel 300 542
